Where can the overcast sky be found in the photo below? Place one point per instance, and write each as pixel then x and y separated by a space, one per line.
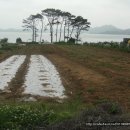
pixel 98 12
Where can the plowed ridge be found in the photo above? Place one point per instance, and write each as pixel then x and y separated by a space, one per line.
pixel 9 68
pixel 42 78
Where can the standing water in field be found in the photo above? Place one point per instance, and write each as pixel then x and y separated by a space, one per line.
pixel 43 79
pixel 9 68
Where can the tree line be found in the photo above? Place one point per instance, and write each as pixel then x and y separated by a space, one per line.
pixel 63 26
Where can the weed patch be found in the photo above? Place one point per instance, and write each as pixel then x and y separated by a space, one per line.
pixel 91 90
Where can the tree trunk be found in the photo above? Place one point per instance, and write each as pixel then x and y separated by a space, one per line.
pixel 77 35
pixel 64 31
pixel 33 32
pixel 61 30
pixel 71 32
pixel 41 31
pixel 51 33
pixel 68 32
pixel 56 32
pixel 35 35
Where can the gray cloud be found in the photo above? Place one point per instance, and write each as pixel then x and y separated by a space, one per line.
pixel 98 12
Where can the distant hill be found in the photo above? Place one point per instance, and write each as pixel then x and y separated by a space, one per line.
pixel 106 29
pixel 109 29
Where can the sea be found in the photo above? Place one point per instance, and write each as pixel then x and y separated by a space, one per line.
pixel 27 37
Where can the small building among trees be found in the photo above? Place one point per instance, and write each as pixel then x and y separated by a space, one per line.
pixel 126 41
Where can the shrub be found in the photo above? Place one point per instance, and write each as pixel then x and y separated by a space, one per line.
pixel 115 45
pixel 4 40
pixel 94 115
pixel 19 40
pixel 21 117
pixel 91 90
pixel 111 108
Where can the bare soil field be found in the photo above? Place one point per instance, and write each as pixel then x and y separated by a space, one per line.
pixel 88 73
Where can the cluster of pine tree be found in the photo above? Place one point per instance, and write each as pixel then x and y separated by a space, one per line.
pixel 62 25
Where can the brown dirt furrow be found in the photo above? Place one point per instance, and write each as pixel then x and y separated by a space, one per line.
pixel 76 74
pixel 88 84
pixel 4 57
